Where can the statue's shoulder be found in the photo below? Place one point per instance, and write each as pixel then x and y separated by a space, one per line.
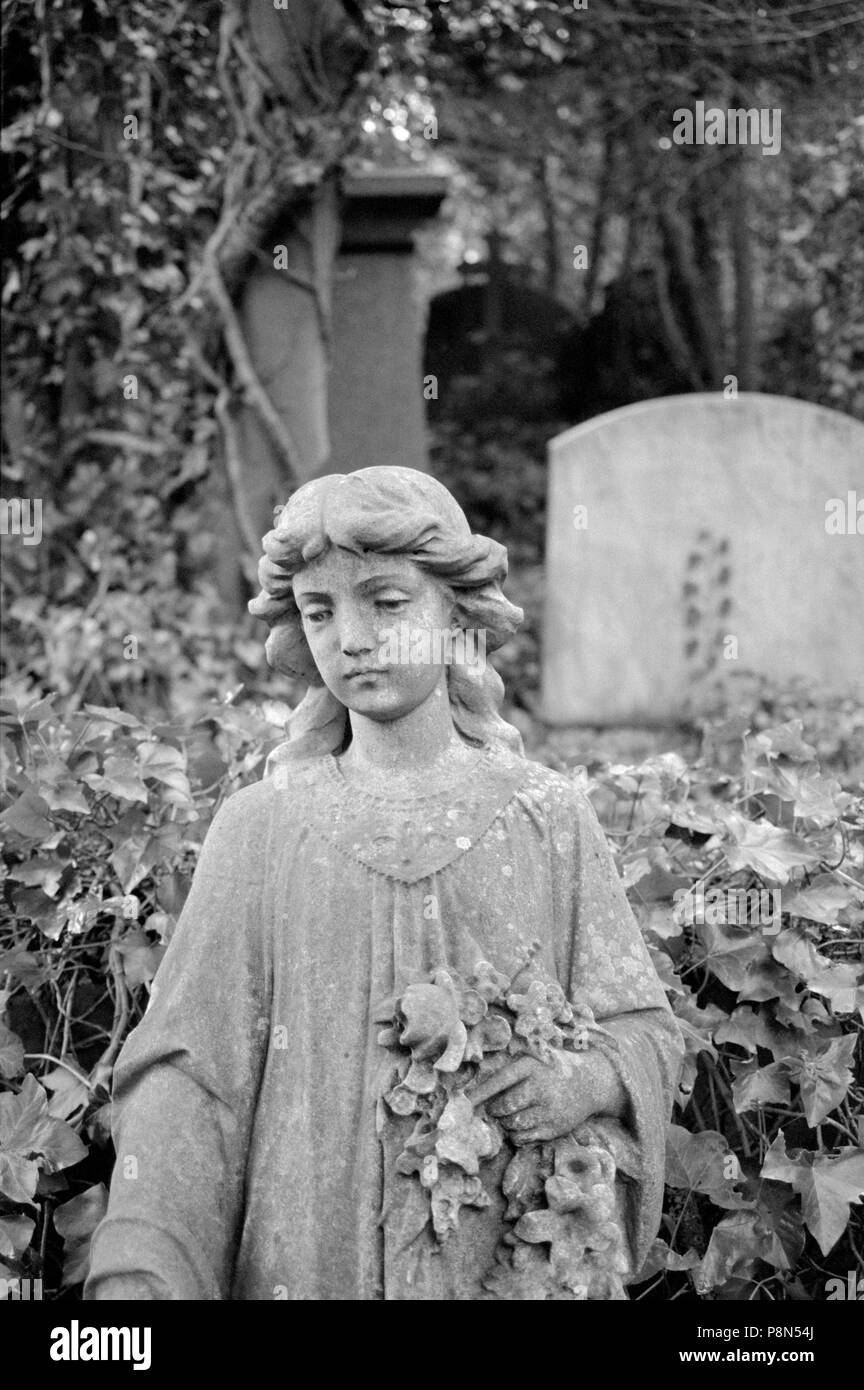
pixel 551 789
pixel 286 780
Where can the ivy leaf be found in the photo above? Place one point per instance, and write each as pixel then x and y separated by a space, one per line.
pixel 164 846
pixel 18 1177
pixel 731 953
pixel 27 817
pixel 660 1258
pixel 31 1139
pixel 121 778
pixel 75 1223
pixel 766 979
pixel 765 848
pixel 827 1186
pixel 748 1028
pixel 127 862
pixel 16 1232
pixel 44 872
pixel 779 1211
pixel 804 1015
pixel 39 908
pixel 821 903
pixel 783 740
pixel 697 1026
pixel 655 883
pixel 704 1022
pixel 754 1086
pixel 11 712
pixel 736 1243
pixel 820 799
pixel 691 816
pixel 833 1183
pixel 107 718
pixel 666 972
pixel 141 958
pixel 835 981
pixel 70 1094
pixel 635 870
pixel 780 1166
pixel 824 1074
pixel 24 967
pixel 697 1162
pixel 167 765
pixel 658 920
pixel 63 794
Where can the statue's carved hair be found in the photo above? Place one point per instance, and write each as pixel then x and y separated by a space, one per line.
pixel 391 511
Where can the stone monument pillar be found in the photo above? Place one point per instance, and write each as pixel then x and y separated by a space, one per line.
pixel 376 407
pixel 348 398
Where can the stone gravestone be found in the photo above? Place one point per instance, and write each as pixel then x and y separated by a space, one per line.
pixel 696 536
pixel 352 396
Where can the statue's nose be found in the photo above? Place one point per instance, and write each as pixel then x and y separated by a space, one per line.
pixel 357 638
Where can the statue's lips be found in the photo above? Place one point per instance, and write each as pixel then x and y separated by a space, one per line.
pixel 367 671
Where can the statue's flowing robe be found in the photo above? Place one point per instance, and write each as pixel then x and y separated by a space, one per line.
pixel 249 1164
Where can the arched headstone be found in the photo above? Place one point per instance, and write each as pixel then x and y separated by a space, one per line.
pixel 693 536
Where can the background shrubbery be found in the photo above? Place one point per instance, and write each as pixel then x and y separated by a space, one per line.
pixel 104 817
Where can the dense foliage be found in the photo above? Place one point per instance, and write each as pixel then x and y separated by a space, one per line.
pixel 104 816
pixel 145 148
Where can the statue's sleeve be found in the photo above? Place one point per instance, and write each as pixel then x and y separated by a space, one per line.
pixel 608 964
pixel 186 1083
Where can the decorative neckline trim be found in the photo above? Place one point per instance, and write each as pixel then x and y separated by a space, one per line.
pixel 408 840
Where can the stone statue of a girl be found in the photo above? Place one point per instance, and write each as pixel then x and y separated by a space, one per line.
pixel 407 1020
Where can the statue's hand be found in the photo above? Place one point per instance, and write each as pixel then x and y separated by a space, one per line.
pixel 539 1101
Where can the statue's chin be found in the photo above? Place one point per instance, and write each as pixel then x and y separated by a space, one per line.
pixel 377 697
pixel 384 713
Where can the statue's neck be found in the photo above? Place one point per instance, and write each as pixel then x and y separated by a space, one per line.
pixel 418 753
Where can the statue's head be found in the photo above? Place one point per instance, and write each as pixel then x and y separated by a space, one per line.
pixel 376 590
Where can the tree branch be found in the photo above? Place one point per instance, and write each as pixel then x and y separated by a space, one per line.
pixel 287 452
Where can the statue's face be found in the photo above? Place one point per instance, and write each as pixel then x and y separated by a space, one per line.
pixel 376 626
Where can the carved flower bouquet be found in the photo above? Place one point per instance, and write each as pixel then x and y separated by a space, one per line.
pixel 564 1238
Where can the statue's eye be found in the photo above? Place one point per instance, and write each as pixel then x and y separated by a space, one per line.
pixel 316 616
pixel 391 605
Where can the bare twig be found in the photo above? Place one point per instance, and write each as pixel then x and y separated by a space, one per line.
pixel 121 439
pixel 47 1057
pixel 228 218
pixel 287 452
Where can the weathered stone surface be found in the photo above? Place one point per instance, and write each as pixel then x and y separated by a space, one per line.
pixel 376 394
pixel 400 864
pixel 709 545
